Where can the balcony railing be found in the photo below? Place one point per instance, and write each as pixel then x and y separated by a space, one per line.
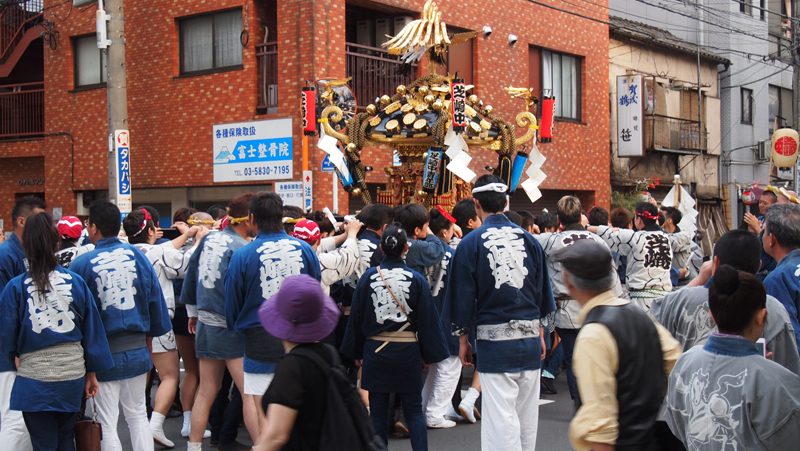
pixel 375 72
pixel 15 18
pixel 673 134
pixel 267 57
pixel 21 110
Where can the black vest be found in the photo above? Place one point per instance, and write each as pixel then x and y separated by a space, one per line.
pixel 641 382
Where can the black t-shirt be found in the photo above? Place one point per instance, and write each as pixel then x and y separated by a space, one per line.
pixel 300 385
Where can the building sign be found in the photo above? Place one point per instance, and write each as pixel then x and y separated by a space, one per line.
pixel 327 166
pixel 290 192
pixel 308 190
pixel 630 129
pixel 257 150
pixel 122 152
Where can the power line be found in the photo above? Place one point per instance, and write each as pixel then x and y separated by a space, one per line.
pixel 756 80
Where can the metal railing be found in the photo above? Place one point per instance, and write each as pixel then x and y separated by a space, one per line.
pixel 672 133
pixel 267 57
pixel 375 72
pixel 21 110
pixel 15 18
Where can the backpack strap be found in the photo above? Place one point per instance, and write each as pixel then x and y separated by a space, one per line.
pixel 318 361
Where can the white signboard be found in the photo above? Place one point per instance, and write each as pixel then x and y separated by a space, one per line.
pixel 257 150
pixel 290 192
pixel 122 152
pixel 308 190
pixel 630 129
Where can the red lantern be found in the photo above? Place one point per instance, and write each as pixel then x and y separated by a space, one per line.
pixel 548 113
pixel 308 106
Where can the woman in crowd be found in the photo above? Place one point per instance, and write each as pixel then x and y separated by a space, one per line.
pixel 725 394
pixel 48 319
pixel 394 328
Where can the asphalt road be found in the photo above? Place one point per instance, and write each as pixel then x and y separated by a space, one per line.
pixel 555 412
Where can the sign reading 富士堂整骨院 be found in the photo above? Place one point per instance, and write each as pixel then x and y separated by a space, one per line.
pixel 254 150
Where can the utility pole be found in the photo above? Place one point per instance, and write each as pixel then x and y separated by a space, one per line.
pixel 795 70
pixel 119 184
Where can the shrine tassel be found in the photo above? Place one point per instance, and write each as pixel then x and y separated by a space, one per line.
pixel 548 113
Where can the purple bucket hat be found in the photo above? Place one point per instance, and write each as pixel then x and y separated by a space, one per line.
pixel 300 311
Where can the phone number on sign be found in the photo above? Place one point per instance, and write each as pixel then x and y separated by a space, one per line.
pixel 267 170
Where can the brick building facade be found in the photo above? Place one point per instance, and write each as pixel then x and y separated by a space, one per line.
pixel 171 113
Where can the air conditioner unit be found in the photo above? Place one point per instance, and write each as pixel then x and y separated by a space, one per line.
pixel 763 149
pixel 365 32
pixel 383 28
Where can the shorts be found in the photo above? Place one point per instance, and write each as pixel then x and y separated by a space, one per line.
pixel 218 343
pixel 180 322
pixel 257 384
pixel 164 343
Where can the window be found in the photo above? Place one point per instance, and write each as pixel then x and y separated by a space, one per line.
pixel 561 78
pixel 762 4
pixel 90 62
pixel 211 41
pixel 747 106
pixel 781 112
pixel 745 6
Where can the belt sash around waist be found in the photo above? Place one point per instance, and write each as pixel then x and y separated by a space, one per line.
pixel 127 341
pixel 261 346
pixel 211 319
pixel 516 329
pixel 399 336
pixel 62 362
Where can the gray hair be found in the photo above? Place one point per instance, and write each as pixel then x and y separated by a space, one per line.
pixel 600 285
pixel 783 222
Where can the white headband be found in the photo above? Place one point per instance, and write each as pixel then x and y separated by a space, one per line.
pixel 496 187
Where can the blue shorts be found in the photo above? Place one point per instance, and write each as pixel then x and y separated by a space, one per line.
pixel 218 343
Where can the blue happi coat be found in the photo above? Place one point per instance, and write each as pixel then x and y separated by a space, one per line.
pixel 127 293
pixel 30 322
pixel 204 285
pixel 12 264
pixel 498 274
pixel 783 283
pixel 437 277
pixel 425 253
pixel 255 273
pixel 397 367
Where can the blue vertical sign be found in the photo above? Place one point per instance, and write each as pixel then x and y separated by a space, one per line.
pixel 122 151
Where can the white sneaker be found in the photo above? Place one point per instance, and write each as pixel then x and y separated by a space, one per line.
pixel 161 439
pixel 442 424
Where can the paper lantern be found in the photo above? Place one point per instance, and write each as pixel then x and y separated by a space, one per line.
pixel 784 147
pixel 458 93
pixel 548 113
pixel 433 164
pixel 308 108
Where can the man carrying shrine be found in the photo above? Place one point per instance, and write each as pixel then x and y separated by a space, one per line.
pixel 498 292
pixel 649 255
pixel 132 307
pixel 255 273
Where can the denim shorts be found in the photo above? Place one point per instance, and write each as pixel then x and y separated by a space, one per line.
pixel 218 343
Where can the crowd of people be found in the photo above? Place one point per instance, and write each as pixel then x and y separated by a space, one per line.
pixel 662 346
